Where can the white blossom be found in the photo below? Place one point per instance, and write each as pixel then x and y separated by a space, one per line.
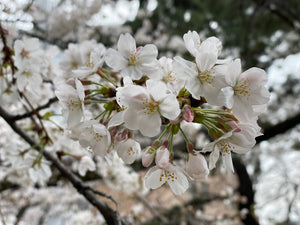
pixel 71 100
pixel 143 106
pixel 245 90
pixel 128 150
pixel 86 163
pixel 238 142
pixel 172 175
pixel 131 61
pixel 92 134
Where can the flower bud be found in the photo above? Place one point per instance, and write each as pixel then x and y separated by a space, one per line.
pixel 234 126
pixel 188 114
pixel 162 157
pixel 196 166
pixel 147 156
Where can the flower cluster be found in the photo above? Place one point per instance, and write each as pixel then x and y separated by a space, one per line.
pixel 137 91
pixel 109 95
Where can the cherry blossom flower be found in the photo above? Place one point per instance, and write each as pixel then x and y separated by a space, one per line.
pixel 143 106
pixel 172 175
pixel 78 55
pixel 196 166
pixel 92 134
pixel 238 142
pixel 244 90
pixel 27 51
pixel 86 163
pixel 166 74
pixel 201 77
pixel 128 150
pixel 71 100
pixel 28 76
pixel 131 61
pixel 193 43
pixel 95 61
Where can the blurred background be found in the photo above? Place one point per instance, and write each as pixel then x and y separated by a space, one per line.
pixel 265 188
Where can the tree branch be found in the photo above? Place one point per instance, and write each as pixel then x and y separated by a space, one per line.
pixel 31 113
pixel 282 127
pixel 111 216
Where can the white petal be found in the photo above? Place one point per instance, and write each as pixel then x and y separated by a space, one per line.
pixel 195 87
pixel 149 125
pixel 79 89
pixel 226 97
pixel 126 45
pixel 214 42
pixel 152 178
pixel 213 158
pixel 206 60
pixel 169 107
pixel 158 89
pixel 134 72
pixel 179 185
pixel 184 69
pixel 148 53
pixel 234 69
pixel 74 117
pixel 116 120
pixel 130 119
pixel 115 60
pixel 191 40
pixel 227 160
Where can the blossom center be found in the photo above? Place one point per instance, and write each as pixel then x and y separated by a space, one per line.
pixel 242 88
pixel 90 64
pixel 97 137
pixel 225 147
pixel 74 103
pixel 24 53
pixel 167 176
pixel 133 58
pixel 130 151
pixel 169 77
pixel 149 107
pixel 206 77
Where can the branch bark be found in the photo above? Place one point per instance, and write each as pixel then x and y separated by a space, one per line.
pixel 280 128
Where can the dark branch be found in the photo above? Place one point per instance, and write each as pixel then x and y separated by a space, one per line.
pixel 245 189
pixel 31 113
pixel 280 128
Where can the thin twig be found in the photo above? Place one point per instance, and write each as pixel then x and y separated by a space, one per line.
pixel 31 113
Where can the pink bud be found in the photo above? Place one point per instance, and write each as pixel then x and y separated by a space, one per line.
pixel 147 156
pixel 162 157
pixel 188 114
pixel 191 148
pixel 234 126
pixel 119 137
pixel 165 144
pixel 196 166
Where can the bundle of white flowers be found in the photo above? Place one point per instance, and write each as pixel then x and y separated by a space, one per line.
pixel 132 90
pixel 137 90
